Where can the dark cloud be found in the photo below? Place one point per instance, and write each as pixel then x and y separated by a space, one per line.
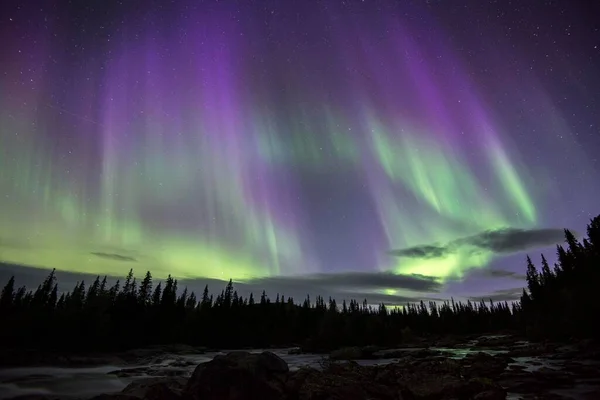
pixel 114 256
pixel 500 273
pixel 509 295
pixel 363 280
pixel 513 240
pixel 501 241
pixel 424 251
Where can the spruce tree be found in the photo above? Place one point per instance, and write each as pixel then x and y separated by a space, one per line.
pixel 145 292
pixel 7 296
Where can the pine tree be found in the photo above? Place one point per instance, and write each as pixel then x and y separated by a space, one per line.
pixel 128 286
pixel 145 291
pixel 93 291
pixel 593 233
pixel 547 275
pixel 114 291
pixel 6 299
pixel 228 294
pixel 191 302
pixel 53 298
pixel 181 301
pixel 533 279
pixel 157 295
pixel 206 302
pixel 102 290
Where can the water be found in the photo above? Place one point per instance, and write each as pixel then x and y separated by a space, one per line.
pixel 88 382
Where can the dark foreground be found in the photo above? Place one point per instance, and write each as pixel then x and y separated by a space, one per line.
pixel 499 368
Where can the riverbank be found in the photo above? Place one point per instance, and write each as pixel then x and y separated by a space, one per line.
pixel 498 367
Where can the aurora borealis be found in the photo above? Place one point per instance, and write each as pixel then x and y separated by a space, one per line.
pixel 258 140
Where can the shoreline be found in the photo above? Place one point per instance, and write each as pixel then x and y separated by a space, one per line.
pixel 500 366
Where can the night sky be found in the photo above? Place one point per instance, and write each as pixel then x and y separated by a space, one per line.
pixel 392 150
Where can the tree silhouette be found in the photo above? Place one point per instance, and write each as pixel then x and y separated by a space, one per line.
pixel 557 303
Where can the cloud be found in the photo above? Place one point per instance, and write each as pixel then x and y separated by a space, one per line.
pixel 500 241
pixel 364 280
pixel 424 251
pixel 509 295
pixel 501 273
pixel 513 240
pixel 114 256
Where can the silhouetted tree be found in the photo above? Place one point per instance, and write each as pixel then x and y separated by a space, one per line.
pixel 556 302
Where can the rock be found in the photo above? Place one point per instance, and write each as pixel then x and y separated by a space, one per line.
pixel 495 341
pixel 433 386
pixel 484 365
pixel 369 352
pixel 295 351
pixel 345 381
pixel 114 396
pixel 156 388
pixel 239 375
pixel 521 382
pixel 491 395
pixel 394 353
pixel 449 341
pixel 150 371
pixel 346 353
pixel 298 378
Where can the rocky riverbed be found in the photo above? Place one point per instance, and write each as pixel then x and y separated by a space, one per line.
pixel 492 367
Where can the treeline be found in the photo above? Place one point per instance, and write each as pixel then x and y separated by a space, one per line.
pixel 562 301
pixel 134 314
pixel 98 317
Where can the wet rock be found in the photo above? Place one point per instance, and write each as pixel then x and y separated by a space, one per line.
pixel 393 353
pixel 535 382
pixel 346 353
pixel 346 381
pixel 298 378
pixel 156 388
pixel 114 396
pixel 484 365
pixel 422 386
pixel 546 396
pixel 491 395
pixel 369 352
pixel 238 376
pixel 517 367
pixel 157 354
pixel 495 341
pixel 531 350
pixel 449 342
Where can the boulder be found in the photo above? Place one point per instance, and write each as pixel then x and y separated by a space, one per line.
pixel 115 396
pixel 346 353
pixel 491 395
pixel 156 388
pixel 484 365
pixel 341 381
pixel 239 375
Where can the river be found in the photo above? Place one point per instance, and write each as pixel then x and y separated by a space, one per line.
pixel 87 382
